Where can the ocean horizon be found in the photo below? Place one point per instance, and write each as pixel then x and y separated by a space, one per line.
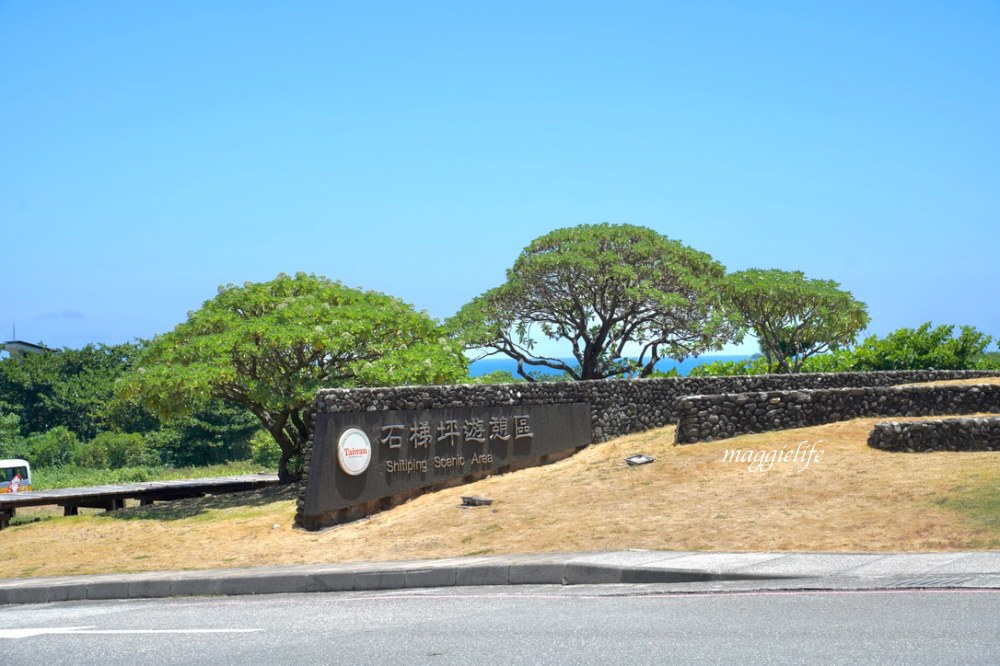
pixel 488 365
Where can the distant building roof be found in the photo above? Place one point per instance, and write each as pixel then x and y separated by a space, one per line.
pixel 20 347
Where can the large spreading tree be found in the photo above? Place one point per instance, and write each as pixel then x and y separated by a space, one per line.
pixel 270 346
pixel 793 316
pixel 622 296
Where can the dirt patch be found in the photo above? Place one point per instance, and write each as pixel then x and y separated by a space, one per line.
pixel 958 382
pixel 853 498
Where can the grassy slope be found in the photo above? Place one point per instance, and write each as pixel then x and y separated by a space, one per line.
pixel 854 499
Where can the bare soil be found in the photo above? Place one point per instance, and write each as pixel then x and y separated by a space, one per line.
pixel 959 382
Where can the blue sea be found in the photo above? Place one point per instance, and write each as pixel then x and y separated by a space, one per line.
pixel 488 365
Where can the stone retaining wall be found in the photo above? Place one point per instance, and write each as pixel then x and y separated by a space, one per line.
pixel 617 407
pixel 968 434
pixel 706 418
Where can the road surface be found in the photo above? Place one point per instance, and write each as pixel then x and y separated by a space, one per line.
pixel 522 625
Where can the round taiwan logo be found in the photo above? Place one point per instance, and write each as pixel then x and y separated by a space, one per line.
pixel 354 451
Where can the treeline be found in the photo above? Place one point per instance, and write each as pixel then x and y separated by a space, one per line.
pixel 62 409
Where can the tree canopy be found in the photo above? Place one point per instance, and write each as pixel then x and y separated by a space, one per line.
pixel 55 404
pixel 270 346
pixel 622 296
pixel 71 387
pixel 795 317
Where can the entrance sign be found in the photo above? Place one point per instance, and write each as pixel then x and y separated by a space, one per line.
pixel 363 462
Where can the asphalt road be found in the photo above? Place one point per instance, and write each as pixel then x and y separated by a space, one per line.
pixel 523 625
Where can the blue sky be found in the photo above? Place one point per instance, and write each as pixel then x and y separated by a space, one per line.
pixel 154 151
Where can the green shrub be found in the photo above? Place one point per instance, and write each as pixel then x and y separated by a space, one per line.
pixel 15 449
pixel 115 450
pixel 264 450
pixel 988 361
pixel 838 361
pixel 922 348
pixel 495 377
pixel 296 464
pixel 135 474
pixel 52 448
pixel 753 366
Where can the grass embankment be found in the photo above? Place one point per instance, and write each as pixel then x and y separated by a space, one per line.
pixel 71 476
pixel 853 498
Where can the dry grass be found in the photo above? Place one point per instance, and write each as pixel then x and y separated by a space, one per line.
pixel 959 382
pixel 853 499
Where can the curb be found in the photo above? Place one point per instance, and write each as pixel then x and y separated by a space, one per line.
pixel 337 579
pixel 685 571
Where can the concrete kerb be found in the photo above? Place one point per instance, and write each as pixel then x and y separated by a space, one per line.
pixel 278 582
pixel 483 574
pixel 818 570
pixel 431 578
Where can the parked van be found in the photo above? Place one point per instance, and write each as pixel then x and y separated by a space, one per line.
pixel 17 473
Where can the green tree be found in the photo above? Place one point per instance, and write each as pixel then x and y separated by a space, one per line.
pixel 74 389
pixel 270 346
pixel 622 296
pixel 217 432
pixel 10 426
pixel 70 388
pixel 794 317
pixel 11 443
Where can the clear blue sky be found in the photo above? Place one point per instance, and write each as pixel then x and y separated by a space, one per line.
pixel 153 151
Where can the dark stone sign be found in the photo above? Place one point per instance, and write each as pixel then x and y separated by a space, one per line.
pixel 366 461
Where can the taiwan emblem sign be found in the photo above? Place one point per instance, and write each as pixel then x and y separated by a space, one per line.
pixel 362 461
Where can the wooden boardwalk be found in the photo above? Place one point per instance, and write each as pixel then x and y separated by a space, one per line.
pixel 113 497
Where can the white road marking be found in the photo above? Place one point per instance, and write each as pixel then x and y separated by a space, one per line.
pixel 76 631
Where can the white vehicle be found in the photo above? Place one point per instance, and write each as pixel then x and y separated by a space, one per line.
pixel 15 476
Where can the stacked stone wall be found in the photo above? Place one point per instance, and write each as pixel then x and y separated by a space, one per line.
pixel 963 434
pixel 706 418
pixel 618 407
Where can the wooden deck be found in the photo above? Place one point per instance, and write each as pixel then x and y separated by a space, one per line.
pixel 113 497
